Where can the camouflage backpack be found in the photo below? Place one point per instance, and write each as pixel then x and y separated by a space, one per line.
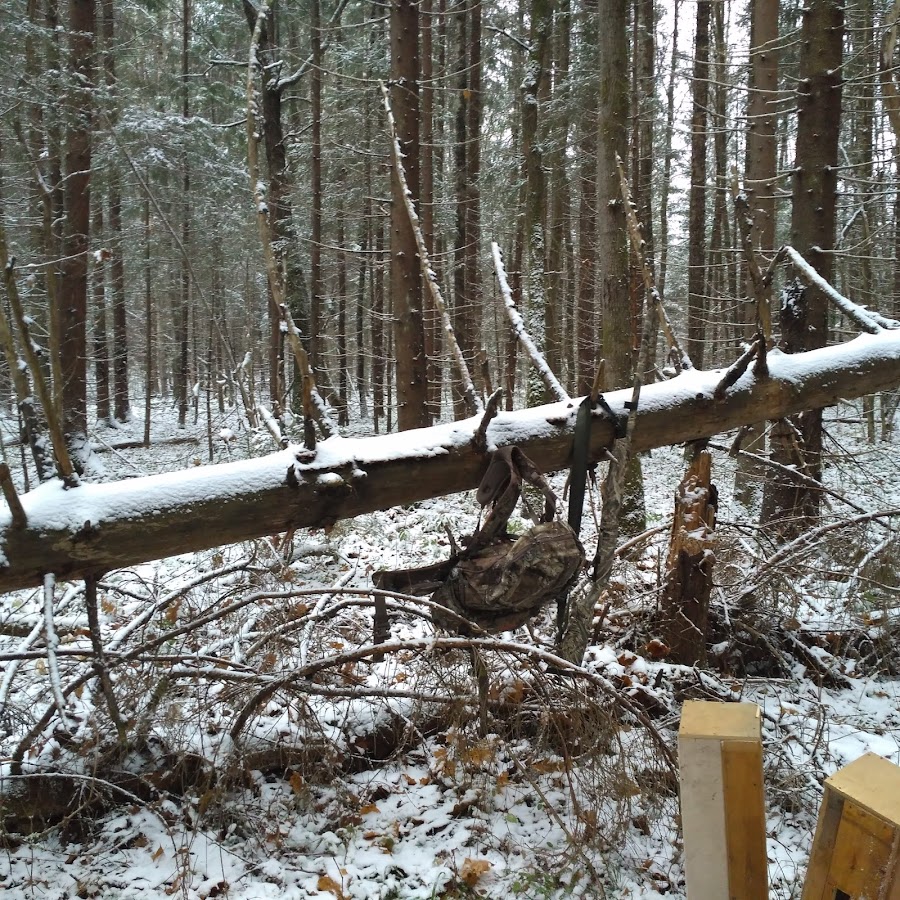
pixel 496 580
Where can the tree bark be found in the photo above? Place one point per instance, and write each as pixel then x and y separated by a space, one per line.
pixel 121 403
pixel 804 311
pixel 554 308
pixel 106 526
pixel 697 304
pixel 585 311
pixel 101 340
pixel 759 185
pixel 668 155
pixel 689 568
pixel 317 288
pixel 183 311
pixel 406 279
pixel 535 93
pixel 74 282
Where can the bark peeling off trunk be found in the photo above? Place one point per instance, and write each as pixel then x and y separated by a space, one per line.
pixel 689 567
pixel 95 528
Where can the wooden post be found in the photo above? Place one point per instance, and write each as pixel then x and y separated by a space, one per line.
pixel 856 850
pixel 722 806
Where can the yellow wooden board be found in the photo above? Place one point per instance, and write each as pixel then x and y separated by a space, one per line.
pixel 745 820
pixel 856 850
pixel 861 850
pixel 873 783
pixel 731 721
pixel 823 847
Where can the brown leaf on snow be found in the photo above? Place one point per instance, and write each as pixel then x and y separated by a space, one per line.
pixel 327 883
pixel 473 869
pixel 296 782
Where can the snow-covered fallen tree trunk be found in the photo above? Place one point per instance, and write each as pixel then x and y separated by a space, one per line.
pixel 95 528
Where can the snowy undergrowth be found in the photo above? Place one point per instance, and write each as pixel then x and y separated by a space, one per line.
pixel 268 755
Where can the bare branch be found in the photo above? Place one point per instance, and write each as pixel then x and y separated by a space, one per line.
pixel 537 360
pixel 473 401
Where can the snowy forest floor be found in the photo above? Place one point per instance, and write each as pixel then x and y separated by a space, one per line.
pixel 264 755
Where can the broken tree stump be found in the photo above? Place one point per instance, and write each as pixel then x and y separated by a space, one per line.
pixel 689 566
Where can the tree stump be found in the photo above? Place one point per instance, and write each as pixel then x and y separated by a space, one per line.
pixel 689 566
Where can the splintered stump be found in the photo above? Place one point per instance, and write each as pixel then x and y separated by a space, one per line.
pixel 685 599
pixel 722 804
pixel 856 850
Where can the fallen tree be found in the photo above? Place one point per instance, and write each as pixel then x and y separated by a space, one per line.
pixel 93 528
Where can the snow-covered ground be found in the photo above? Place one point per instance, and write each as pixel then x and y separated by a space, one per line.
pixel 268 756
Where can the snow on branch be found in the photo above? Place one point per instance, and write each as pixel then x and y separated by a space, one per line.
pixel 94 528
pixel 473 401
pixel 872 323
pixel 540 364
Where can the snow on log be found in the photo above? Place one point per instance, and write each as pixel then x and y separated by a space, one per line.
pixel 93 528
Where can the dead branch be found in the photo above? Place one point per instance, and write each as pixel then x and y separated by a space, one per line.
pixel 473 401
pixel 54 424
pixel 19 519
pixel 738 367
pixel 550 380
pixel 311 408
pixel 857 314
pixel 761 284
pixel 637 248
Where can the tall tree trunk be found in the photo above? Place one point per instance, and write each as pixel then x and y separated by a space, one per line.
pixel 183 311
pixel 473 178
pixel 586 312
pixel 342 361
pixel 121 404
pixel 762 121
pixel 101 345
pixel 535 92
pixel 668 154
pixel 364 245
pixel 612 136
pixel 317 288
pixel 759 184
pixel 864 47
pixel 554 308
pixel 716 288
pixel 804 311
pixel 406 280
pixel 427 154
pixel 462 305
pixel 612 243
pixel 378 329
pixel 74 281
pixel 278 200
pixel 697 304
pixel 148 323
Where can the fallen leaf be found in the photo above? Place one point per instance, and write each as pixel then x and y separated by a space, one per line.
pixel 327 883
pixel 473 869
pixel 479 754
